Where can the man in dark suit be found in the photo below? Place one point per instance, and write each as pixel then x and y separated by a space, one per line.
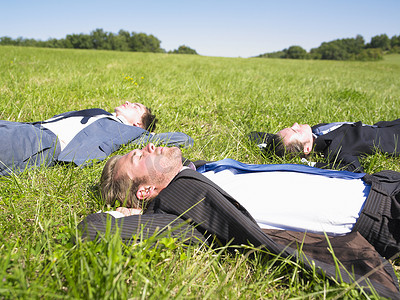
pixel 155 177
pixel 341 143
pixel 79 137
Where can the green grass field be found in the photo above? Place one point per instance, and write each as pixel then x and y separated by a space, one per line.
pixel 217 101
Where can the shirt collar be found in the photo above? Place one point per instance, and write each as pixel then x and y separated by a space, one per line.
pixel 121 119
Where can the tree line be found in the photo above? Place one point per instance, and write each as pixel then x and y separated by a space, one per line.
pixel 344 49
pixel 340 49
pixel 101 40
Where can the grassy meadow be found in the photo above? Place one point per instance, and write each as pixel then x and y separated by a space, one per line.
pixel 217 101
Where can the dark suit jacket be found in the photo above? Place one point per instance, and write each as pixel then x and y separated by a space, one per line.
pixel 192 197
pixel 342 147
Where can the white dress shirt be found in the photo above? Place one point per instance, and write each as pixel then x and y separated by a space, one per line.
pixel 296 201
pixel 67 128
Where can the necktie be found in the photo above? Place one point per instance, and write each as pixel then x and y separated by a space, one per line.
pixel 239 168
pixel 188 163
pixel 191 165
pixel 324 129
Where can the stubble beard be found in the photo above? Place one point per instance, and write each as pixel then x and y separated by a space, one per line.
pixel 163 168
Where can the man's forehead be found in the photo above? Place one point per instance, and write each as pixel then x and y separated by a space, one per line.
pixel 143 107
pixel 119 166
pixel 129 164
pixel 124 165
pixel 286 134
pixel 284 131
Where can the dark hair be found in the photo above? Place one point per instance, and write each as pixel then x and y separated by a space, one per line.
pixel 271 143
pixel 276 145
pixel 149 120
pixel 267 142
pixel 294 148
pixel 121 189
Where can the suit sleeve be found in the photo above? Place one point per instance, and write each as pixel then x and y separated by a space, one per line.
pixel 388 123
pixel 211 212
pixel 98 140
pixel 346 162
pixel 178 139
pixel 132 228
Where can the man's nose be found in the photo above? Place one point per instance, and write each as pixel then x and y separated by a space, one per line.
pixel 150 147
pixel 295 125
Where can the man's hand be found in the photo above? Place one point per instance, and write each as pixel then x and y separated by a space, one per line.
pixel 129 211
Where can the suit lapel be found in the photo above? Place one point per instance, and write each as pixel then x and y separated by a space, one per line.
pixel 155 205
pixel 85 113
pixel 330 142
pixel 200 177
pixel 227 222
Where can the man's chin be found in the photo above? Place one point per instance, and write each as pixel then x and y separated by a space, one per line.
pixel 169 160
pixel 172 153
pixel 177 152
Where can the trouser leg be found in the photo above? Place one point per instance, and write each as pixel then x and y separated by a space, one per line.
pixel 379 220
pixel 24 145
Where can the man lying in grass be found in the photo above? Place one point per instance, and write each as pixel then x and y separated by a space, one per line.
pixel 264 205
pixel 341 143
pixel 79 137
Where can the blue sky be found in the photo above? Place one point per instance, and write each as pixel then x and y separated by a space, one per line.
pixel 214 28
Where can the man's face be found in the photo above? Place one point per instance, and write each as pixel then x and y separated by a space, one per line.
pixel 158 165
pixel 132 112
pixel 301 133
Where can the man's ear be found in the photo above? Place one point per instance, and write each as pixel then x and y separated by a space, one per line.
pixel 145 192
pixel 138 124
pixel 307 148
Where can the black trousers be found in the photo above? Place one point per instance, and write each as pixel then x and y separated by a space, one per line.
pixel 379 221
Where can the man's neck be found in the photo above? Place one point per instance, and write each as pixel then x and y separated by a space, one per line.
pixel 121 119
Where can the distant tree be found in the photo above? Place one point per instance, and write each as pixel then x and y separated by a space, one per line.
pixel 395 41
pixel 73 40
pixel 370 54
pixel 332 51
pixel 61 43
pixel 52 43
pixel 100 39
pixel 340 49
pixel 86 41
pixel 121 41
pixel 395 44
pixel 97 39
pixel 118 43
pixel 380 41
pixel 141 42
pixel 353 46
pixel 6 40
pixel 80 41
pixel 124 34
pixel 277 54
pixel 315 54
pixel 296 52
pixel 28 42
pixel 184 50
